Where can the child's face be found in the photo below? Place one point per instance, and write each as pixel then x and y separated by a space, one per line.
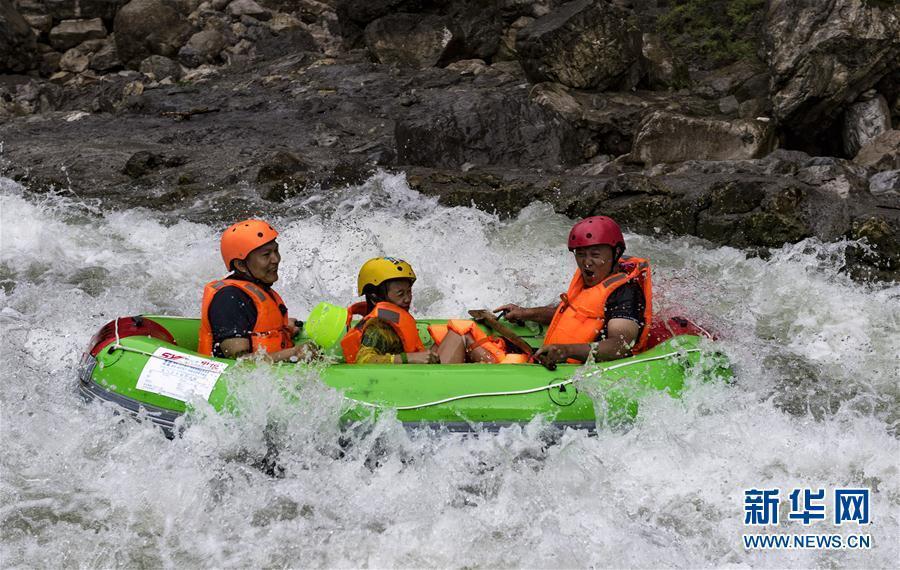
pixel 399 292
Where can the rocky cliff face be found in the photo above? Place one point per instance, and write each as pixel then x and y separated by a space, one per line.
pixel 665 116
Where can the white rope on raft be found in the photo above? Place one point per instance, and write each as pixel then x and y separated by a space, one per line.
pixel 529 390
pixel 118 346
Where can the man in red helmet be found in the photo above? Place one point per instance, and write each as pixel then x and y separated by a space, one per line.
pixel 607 308
pixel 242 314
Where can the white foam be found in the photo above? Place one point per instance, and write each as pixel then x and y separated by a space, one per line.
pixel 815 404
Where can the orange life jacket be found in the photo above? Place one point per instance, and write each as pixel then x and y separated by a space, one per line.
pixel 272 331
pixel 400 320
pixel 580 317
pixel 360 309
pixel 496 347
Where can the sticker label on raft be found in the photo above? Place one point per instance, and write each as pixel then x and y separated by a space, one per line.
pixel 179 375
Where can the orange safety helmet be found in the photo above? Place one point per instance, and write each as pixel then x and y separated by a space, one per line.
pixel 243 237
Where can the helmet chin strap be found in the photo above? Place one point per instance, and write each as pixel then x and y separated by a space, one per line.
pixel 253 278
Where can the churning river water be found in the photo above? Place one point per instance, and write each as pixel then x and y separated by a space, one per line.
pixel 815 404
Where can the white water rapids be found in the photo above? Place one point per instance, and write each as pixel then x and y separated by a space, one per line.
pixel 816 404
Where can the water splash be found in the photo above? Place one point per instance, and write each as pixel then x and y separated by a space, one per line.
pixel 814 403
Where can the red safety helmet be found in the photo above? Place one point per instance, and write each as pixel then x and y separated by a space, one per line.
pixel 243 237
pixel 597 230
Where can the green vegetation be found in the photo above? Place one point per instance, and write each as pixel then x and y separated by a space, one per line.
pixel 713 33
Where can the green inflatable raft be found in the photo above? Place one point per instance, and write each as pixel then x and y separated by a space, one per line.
pixel 148 365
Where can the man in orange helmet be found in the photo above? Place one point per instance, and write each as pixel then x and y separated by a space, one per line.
pixel 242 314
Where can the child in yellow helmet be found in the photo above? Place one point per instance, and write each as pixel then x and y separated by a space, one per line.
pixel 387 333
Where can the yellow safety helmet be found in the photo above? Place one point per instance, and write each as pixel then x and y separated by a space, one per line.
pixel 380 269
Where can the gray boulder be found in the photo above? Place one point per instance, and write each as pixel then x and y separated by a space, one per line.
pixel 886 186
pixel 78 58
pixel 202 47
pixel 506 51
pixel 149 27
pixel 882 152
pixel 825 53
pixel 477 29
pixel 864 121
pixel 586 44
pixel 49 63
pixel 70 33
pixel 452 128
pixel 40 22
pixel 18 50
pixel 238 8
pixel 106 58
pixel 293 39
pixel 667 137
pixel 408 40
pixel 160 67
pixel 664 69
pixel 73 9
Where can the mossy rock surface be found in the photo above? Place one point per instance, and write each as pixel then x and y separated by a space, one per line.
pixel 713 33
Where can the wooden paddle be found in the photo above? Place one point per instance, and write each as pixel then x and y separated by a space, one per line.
pixel 487 318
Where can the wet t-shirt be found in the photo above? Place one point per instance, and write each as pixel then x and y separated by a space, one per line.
pixel 232 314
pixel 626 302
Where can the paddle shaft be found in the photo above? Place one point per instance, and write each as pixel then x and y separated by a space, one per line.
pixel 488 318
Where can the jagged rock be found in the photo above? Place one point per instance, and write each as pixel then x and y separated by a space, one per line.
pixel 880 257
pixel 838 176
pixel 75 60
pixel 823 54
pixel 506 51
pixel 238 8
pixel 281 22
pixel 744 79
pixel 558 98
pixel 73 9
pixel 585 44
pixel 18 49
pixel 468 66
pixel 149 27
pixel 70 33
pixel 40 22
pixel 106 58
pixel 882 152
pixel 410 40
pixel 666 137
pixel 49 63
pixel 309 11
pixel 756 107
pixel 664 69
pixel 886 186
pixel 288 40
pixel 864 121
pixel 144 162
pixel 477 28
pixel 449 129
pixel 510 68
pixel 160 67
pixel 188 6
pixel 729 105
pixel 202 47
pixel 279 166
